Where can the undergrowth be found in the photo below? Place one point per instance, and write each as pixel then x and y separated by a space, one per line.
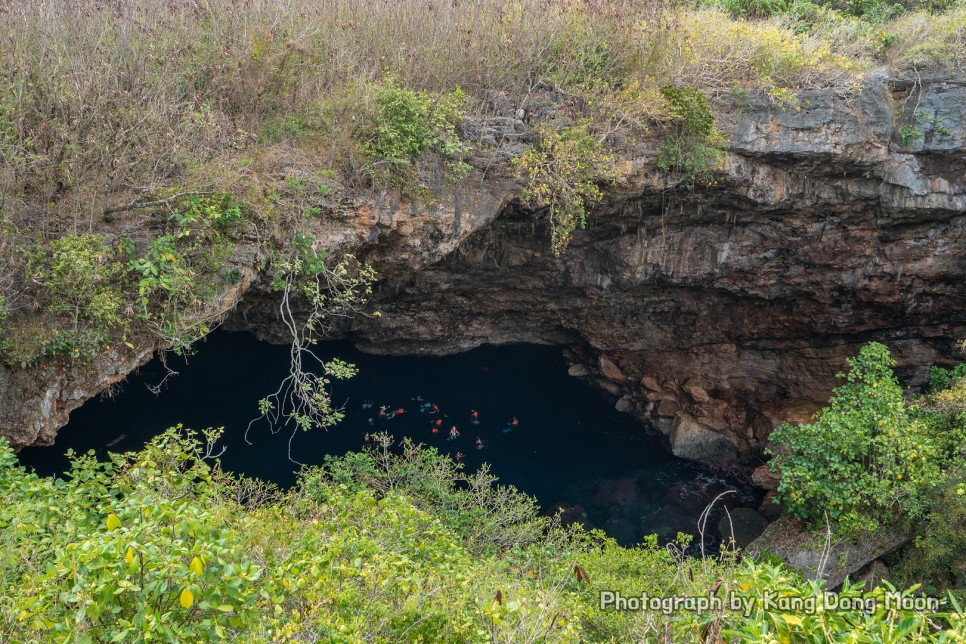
pixel 376 546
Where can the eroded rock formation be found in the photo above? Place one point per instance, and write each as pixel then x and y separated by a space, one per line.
pixel 717 312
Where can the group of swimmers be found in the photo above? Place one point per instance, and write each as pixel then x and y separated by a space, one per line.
pixel 386 412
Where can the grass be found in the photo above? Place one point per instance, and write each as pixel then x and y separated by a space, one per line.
pixel 100 98
pixel 104 104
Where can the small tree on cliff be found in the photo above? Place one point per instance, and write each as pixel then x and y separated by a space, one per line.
pixel 866 458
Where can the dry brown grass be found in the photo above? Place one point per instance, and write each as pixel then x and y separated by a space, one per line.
pixel 101 99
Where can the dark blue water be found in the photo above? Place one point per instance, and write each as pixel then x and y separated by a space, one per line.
pixel 571 447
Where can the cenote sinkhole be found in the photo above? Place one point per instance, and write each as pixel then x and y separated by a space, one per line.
pixel 571 449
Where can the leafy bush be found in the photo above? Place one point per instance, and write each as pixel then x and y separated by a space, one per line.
pixel 158 545
pixel 563 171
pixel 692 148
pixel 176 273
pixel 407 124
pixel 936 559
pixel 488 516
pixel 940 378
pixel 866 457
pixel 80 276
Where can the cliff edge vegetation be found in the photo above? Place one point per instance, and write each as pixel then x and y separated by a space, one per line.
pixel 167 156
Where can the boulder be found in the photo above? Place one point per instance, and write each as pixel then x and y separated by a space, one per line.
pixel 610 370
pixel 744 524
pixel 764 478
pixel 619 493
pixel 569 514
pixel 693 440
pixel 668 407
pixel 577 371
pixel 650 383
pixel 770 507
pixel 624 405
pixel 817 557
pixel 698 394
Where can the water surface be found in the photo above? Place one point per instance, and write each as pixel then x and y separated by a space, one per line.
pixel 571 448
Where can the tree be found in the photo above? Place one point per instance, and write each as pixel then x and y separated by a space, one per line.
pixel 867 457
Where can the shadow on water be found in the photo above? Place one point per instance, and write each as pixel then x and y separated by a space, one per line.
pixel 571 448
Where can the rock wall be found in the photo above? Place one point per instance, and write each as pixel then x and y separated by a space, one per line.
pixel 722 311
pixel 716 312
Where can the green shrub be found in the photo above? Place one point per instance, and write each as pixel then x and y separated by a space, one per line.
pixel 407 124
pixel 159 546
pixel 936 558
pixel 80 276
pixel 563 171
pixel 177 272
pixel 866 458
pixel 692 149
pixel 486 515
pixel 940 378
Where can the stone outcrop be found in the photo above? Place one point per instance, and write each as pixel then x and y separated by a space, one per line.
pixel 717 312
pixel 733 305
pixel 692 440
pixel 816 557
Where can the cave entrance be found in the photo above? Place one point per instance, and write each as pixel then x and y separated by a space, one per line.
pixel 571 449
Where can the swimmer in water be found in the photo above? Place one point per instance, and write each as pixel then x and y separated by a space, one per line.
pixel 400 411
pixel 366 438
pixel 367 404
pixel 459 457
pixel 513 424
pixel 382 411
pixel 478 444
pixel 434 409
pixel 434 430
pixel 475 417
pixel 453 433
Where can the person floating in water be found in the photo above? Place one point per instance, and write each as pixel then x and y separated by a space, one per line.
pixel 439 422
pixel 434 409
pixel 478 444
pixel 400 411
pixel 365 437
pixel 418 398
pixel 513 424
pixel 434 430
pixel 475 417
pixel 367 404
pixel 424 407
pixel 453 433
pixel 459 457
pixel 382 411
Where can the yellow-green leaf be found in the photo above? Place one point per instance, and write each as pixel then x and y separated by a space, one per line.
pixel 195 566
pixel 794 620
pixel 113 522
pixel 187 598
pixel 129 557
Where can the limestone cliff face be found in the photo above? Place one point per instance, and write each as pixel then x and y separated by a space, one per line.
pixel 717 312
